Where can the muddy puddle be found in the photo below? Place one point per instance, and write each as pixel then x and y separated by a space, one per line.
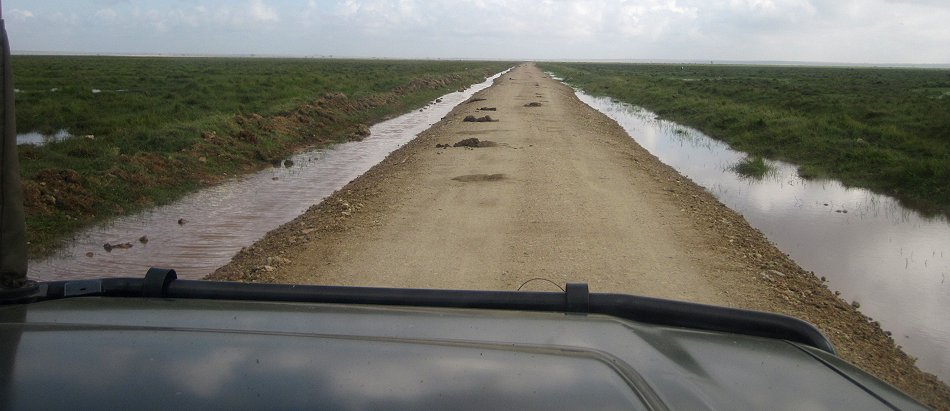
pixel 893 261
pixel 202 231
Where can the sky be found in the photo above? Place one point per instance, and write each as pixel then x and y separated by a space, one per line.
pixel 843 31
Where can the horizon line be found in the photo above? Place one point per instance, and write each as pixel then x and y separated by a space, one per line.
pixel 567 60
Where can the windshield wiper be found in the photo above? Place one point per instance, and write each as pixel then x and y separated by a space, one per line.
pixel 164 283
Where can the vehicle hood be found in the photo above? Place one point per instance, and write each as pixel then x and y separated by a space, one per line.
pixel 187 354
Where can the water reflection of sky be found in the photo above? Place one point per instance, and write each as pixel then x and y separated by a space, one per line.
pixel 38 139
pixel 192 370
pixel 892 260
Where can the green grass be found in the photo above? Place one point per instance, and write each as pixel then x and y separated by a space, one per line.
pixel 885 129
pixel 163 127
pixel 752 167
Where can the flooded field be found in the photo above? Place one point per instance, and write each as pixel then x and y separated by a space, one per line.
pixel 202 231
pixel 894 262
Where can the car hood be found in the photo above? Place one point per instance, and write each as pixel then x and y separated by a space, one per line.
pixel 188 354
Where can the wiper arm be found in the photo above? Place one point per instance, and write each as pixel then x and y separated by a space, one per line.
pixel 164 283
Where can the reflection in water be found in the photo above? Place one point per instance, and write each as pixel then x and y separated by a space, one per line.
pixel 222 219
pixel 287 371
pixel 892 260
pixel 38 139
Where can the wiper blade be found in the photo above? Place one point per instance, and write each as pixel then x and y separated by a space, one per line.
pixel 164 283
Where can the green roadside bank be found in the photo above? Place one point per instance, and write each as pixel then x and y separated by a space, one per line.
pixel 146 131
pixel 885 129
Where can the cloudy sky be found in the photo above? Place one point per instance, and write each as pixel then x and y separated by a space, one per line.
pixel 848 31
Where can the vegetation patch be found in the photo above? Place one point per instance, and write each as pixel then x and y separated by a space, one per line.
pixel 752 167
pixel 885 129
pixel 158 128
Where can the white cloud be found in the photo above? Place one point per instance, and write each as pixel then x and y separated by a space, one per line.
pixel 654 19
pixel 348 8
pixel 261 12
pixel 20 14
pixel 158 20
pixel 254 13
pixel 804 30
pixel 107 14
pixel 678 29
pixel 248 17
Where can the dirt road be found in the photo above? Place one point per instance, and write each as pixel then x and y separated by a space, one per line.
pixel 555 191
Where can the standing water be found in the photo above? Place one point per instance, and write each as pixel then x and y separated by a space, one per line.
pixel 218 221
pixel 38 139
pixel 893 261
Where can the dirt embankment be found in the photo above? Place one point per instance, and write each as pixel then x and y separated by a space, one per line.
pixel 555 190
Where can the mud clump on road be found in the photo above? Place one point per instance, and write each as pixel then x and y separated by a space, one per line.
pixel 472 178
pixel 473 119
pixel 533 104
pixel 470 142
pixel 487 109
pixel 121 246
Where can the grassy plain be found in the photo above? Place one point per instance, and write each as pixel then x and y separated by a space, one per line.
pixel 885 129
pixel 160 127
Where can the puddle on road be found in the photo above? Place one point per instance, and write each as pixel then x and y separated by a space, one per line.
pixel 222 219
pixel 892 260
